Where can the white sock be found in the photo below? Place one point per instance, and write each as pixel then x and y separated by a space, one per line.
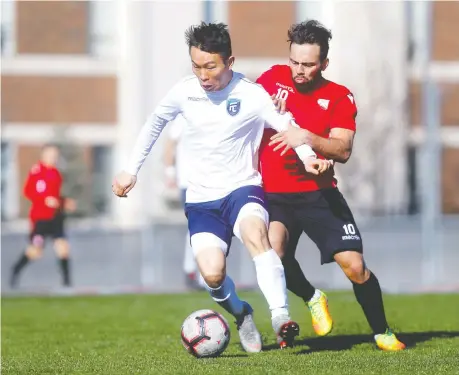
pixel 315 296
pixel 271 280
pixel 225 295
pixel 189 264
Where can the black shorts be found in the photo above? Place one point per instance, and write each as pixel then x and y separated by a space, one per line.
pixel 53 228
pixel 323 215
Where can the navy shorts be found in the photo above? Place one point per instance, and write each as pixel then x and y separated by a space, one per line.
pixel 218 217
pixel 323 215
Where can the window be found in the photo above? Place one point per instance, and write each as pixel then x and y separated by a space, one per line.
pixel 102 28
pixel 4 172
pixel 8 47
pixel 86 173
pixel 10 192
pixel 101 177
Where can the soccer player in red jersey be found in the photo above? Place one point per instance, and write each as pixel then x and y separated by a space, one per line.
pixel 301 202
pixel 43 189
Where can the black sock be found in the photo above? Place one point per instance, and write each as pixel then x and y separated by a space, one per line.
pixel 296 281
pixel 20 264
pixel 64 262
pixel 369 296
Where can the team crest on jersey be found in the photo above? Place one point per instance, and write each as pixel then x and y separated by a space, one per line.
pixel 233 106
pixel 323 103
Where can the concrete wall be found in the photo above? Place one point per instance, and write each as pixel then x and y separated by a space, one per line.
pixel 153 259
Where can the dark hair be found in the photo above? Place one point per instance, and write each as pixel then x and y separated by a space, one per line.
pixel 210 37
pixel 311 32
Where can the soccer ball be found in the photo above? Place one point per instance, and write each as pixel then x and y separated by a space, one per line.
pixel 205 333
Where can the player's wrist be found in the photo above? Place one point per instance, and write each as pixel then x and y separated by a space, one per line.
pixel 131 171
pixel 305 152
pixel 170 171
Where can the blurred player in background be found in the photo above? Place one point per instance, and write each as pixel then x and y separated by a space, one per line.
pixel 176 177
pixel 302 202
pixel 225 116
pixel 47 214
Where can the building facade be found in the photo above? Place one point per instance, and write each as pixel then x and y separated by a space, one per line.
pixel 87 74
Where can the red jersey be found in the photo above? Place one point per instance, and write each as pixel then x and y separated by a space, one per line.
pixel 326 107
pixel 42 182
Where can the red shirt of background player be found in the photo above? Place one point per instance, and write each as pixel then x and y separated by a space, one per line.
pixel 43 181
pixel 327 106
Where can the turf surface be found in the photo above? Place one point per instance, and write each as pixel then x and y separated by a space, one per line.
pixel 141 335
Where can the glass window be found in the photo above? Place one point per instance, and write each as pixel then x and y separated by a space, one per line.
pixel 101 177
pixel 5 164
pixel 8 12
pixel 102 28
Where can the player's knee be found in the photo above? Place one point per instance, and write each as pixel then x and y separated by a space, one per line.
pixel 62 248
pixel 34 252
pixel 214 281
pixel 353 265
pixel 210 254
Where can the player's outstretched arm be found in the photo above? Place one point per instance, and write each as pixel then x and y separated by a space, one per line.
pixel 166 111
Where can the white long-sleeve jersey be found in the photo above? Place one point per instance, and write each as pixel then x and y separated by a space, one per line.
pixel 222 134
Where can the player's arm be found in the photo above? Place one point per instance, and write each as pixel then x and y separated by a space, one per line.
pixel 166 111
pixel 338 146
pixel 30 191
pixel 281 123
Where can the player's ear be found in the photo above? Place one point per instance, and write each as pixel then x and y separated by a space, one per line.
pixel 230 62
pixel 325 64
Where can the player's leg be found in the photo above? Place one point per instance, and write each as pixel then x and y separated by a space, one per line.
pixel 33 251
pixel 210 240
pixel 285 232
pixel 315 300
pixel 251 219
pixel 335 232
pixel 61 248
pixel 368 294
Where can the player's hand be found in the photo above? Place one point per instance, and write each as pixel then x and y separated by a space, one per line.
pixel 281 105
pixel 123 184
pixel 52 202
pixel 291 138
pixel 316 166
pixel 70 205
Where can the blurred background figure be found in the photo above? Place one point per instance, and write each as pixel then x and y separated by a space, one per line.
pixel 175 170
pixel 47 214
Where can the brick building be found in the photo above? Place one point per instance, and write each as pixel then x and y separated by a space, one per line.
pixel 90 72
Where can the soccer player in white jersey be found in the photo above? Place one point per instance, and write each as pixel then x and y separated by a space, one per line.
pixel 225 117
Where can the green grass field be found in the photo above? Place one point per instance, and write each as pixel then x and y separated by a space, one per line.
pixel 141 335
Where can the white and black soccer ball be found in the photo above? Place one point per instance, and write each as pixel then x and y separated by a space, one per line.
pixel 205 333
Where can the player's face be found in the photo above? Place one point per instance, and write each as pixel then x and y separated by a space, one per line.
pixel 50 156
pixel 305 64
pixel 212 71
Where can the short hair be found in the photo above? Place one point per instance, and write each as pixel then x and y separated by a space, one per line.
pixel 311 32
pixel 210 37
